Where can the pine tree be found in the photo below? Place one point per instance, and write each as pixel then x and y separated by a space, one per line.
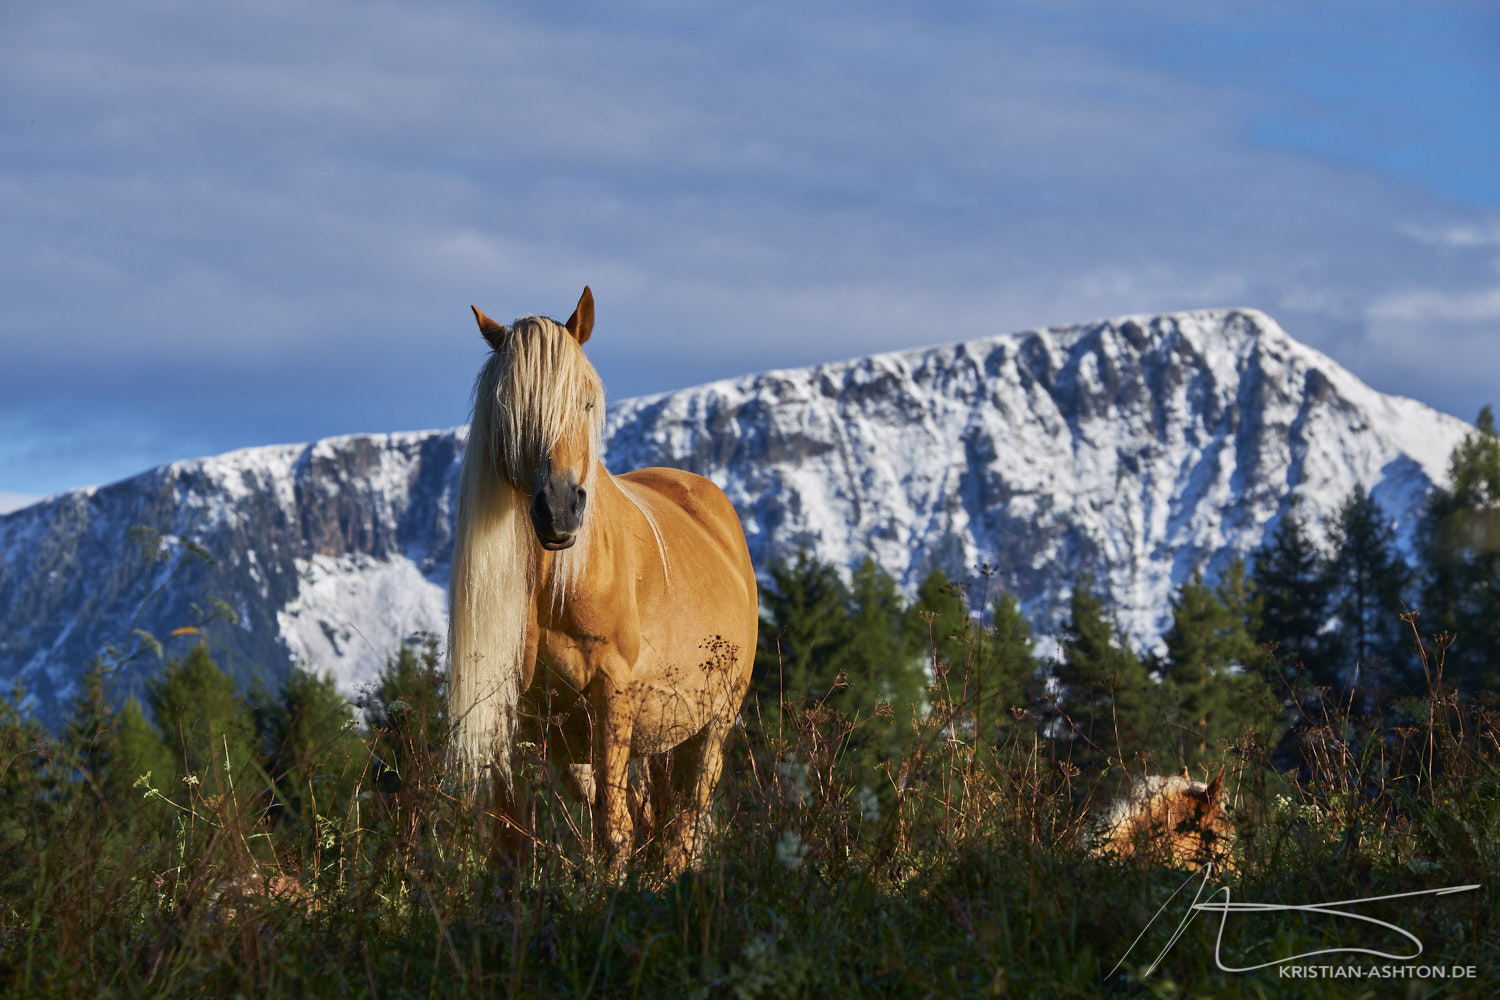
pixel 844 646
pixel 1109 699
pixel 312 748
pixel 1290 581
pixel 1209 665
pixel 1461 545
pixel 106 752
pixel 939 618
pixel 1366 580
pixel 805 631
pixel 140 754
pixel 985 669
pixel 203 722
pixel 884 661
pixel 90 735
pixel 407 714
pixel 1236 589
pixel 1010 666
pixel 24 749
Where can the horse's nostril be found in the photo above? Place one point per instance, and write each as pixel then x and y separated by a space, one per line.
pixel 579 499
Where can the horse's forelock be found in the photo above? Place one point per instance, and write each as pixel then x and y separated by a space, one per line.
pixel 535 386
pixel 530 395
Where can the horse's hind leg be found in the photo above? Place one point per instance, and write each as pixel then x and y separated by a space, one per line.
pixel 651 791
pixel 697 763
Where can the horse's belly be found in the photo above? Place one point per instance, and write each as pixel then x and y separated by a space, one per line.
pixel 668 715
pixel 653 736
pixel 676 703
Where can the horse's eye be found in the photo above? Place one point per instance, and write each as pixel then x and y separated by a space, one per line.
pixel 589 405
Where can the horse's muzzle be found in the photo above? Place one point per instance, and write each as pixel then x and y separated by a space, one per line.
pixel 557 513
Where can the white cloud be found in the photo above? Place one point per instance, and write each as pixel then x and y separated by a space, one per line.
pixel 294 205
pixel 1480 305
pixel 15 501
pixel 1458 233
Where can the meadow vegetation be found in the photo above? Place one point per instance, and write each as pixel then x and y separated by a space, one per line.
pixel 905 812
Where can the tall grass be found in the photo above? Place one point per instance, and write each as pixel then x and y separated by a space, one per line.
pixel 949 860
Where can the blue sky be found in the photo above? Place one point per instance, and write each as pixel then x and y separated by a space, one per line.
pixel 230 225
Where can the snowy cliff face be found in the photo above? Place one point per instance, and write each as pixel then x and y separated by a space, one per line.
pixel 327 554
pixel 1138 449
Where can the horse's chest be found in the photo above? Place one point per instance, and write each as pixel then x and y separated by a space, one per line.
pixel 570 659
pixel 673 696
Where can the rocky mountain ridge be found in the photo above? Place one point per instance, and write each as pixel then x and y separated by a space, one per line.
pixel 1137 448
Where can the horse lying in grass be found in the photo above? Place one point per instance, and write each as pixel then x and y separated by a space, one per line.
pixel 1171 819
pixel 621 610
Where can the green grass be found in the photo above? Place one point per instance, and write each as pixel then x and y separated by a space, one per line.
pixel 841 868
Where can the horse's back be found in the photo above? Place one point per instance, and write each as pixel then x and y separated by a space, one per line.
pixel 705 506
pixel 698 615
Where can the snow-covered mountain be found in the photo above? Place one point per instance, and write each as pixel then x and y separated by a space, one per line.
pixel 1137 448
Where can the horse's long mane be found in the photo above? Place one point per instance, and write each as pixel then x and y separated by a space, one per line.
pixel 531 392
pixel 1131 808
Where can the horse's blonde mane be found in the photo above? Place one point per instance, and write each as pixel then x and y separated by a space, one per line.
pixel 1144 791
pixel 528 396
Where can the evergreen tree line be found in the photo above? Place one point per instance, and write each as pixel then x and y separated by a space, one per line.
pixel 296 757
pixel 1264 647
pixel 1298 626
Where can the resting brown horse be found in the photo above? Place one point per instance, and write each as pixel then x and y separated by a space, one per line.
pixel 1174 820
pixel 623 608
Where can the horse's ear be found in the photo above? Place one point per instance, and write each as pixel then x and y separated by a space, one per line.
pixel 1215 789
pixel 581 323
pixel 492 331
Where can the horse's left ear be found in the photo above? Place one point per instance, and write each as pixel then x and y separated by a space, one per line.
pixel 581 323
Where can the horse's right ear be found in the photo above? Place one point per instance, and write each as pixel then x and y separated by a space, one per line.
pixel 493 332
pixel 1215 789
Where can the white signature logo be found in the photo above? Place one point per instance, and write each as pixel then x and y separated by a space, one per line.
pixel 1224 907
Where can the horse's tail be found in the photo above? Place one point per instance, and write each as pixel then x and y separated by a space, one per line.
pixel 487 599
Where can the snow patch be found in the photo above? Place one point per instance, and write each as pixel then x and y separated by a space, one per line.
pixel 351 613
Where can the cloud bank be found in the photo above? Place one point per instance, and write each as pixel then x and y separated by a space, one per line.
pixel 225 228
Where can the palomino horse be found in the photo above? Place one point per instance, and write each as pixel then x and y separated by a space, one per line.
pixel 1172 819
pixel 623 606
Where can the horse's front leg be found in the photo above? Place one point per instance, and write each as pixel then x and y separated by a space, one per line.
pixel 614 704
